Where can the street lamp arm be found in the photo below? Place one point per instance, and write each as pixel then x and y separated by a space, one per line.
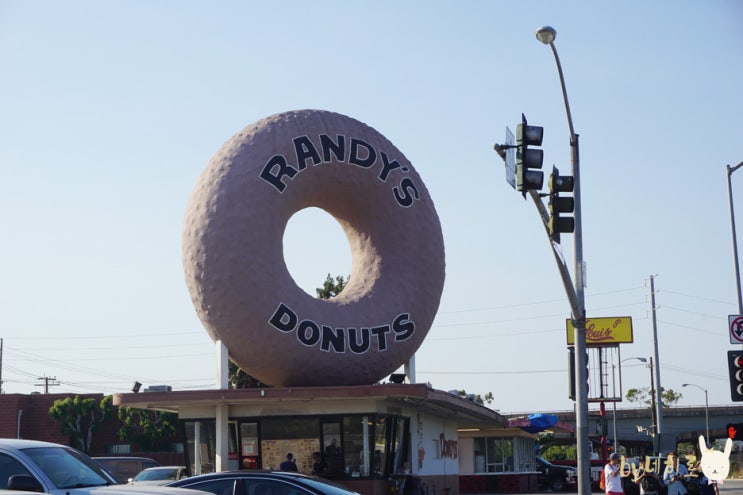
pixel 736 266
pixel 693 385
pixel 706 402
pixel 564 94
pixel 641 359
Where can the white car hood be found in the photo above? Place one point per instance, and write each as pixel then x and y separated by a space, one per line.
pixel 131 490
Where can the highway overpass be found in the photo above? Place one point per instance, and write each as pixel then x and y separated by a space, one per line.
pixel 634 426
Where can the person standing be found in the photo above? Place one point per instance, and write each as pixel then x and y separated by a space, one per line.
pixel 288 464
pixel 612 476
pixel 674 474
pixel 648 482
pixel 319 468
pixel 334 458
pixel 706 486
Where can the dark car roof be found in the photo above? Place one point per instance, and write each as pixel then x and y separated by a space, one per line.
pixel 278 475
pixel 123 458
pixel 288 476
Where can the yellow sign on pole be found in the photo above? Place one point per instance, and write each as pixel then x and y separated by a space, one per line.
pixel 603 331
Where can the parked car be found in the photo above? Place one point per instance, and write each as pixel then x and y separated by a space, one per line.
pixel 262 483
pixel 554 477
pixel 125 468
pixel 44 467
pixel 161 475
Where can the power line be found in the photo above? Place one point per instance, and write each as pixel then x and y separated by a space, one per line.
pixel 697 297
pixel 110 337
pixel 666 306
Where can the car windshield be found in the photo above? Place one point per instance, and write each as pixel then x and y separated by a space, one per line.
pixel 157 474
pixel 67 468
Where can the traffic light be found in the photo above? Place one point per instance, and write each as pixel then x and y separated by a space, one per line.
pixel 526 158
pixel 571 373
pixel 735 367
pixel 601 426
pixel 560 183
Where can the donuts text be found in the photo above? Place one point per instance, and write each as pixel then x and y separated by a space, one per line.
pixel 329 339
pixel 358 152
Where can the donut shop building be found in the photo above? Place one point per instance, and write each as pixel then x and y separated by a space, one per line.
pixel 371 437
pixel 328 399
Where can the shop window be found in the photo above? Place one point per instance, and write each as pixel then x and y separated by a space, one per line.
pixel 249 446
pixel 525 455
pixel 379 456
pixel 295 435
pixel 494 455
pixel 398 431
pixel 358 446
pixel 203 433
pixel 356 437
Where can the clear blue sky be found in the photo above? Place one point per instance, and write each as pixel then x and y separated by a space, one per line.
pixel 110 110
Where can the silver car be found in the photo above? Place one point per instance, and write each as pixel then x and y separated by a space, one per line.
pixel 161 475
pixel 29 465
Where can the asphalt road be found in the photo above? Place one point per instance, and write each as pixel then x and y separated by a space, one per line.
pixel 729 487
pixel 732 486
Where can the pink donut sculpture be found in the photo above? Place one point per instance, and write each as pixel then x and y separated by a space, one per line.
pixel 234 261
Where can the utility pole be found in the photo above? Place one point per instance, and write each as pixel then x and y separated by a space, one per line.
pixel 657 397
pixel 653 414
pixel 49 381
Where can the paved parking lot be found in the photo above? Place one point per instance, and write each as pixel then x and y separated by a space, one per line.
pixel 730 487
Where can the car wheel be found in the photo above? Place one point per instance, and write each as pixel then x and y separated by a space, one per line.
pixel 556 484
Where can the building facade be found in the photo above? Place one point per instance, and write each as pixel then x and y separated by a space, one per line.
pixel 370 437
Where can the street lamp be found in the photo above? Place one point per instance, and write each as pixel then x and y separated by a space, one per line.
pixel 614 403
pixel 546 35
pixel 730 171
pixel 706 407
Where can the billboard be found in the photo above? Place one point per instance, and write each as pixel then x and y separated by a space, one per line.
pixel 603 331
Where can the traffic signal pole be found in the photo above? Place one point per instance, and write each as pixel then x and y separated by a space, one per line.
pixel 547 35
pixel 526 180
pixel 579 324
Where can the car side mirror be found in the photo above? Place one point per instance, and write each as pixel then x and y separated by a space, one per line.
pixel 24 482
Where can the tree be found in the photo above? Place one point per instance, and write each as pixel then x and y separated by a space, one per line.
pixel 559 452
pixel 238 378
pixel 480 399
pixel 332 287
pixel 79 417
pixel 643 396
pixel 146 428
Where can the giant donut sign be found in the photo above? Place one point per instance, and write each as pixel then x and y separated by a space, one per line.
pixel 234 262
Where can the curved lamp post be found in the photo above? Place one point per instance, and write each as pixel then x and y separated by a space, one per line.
pixel 546 35
pixel 730 171
pixel 706 407
pixel 614 404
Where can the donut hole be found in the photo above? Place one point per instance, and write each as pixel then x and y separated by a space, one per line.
pixel 312 241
